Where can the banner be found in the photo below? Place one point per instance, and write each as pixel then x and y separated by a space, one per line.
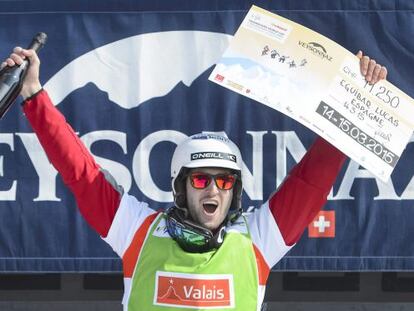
pixel 132 80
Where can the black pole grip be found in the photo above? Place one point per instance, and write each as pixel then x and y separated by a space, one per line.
pixel 38 41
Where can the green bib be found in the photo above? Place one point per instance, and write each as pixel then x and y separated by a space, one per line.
pixel 166 277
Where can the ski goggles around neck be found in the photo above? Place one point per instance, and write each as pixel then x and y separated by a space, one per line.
pixel 191 237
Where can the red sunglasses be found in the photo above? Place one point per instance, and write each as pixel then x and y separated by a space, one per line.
pixel 201 180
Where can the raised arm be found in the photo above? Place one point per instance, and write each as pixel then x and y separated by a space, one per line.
pixel 305 190
pixel 98 197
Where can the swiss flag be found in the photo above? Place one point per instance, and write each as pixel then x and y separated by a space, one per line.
pixel 323 225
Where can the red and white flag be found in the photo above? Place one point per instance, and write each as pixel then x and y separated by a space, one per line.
pixel 323 225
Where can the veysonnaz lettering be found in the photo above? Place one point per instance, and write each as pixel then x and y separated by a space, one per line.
pixel 317 49
pixel 141 155
pixel 213 155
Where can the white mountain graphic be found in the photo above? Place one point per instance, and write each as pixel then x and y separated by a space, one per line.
pixel 171 294
pixel 138 68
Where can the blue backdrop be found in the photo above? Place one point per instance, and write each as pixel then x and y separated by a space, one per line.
pixel 98 51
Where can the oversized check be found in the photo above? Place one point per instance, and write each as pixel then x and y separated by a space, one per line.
pixel 317 82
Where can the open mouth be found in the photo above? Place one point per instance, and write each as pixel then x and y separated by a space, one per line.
pixel 210 207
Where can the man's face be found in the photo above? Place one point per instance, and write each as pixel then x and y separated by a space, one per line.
pixel 208 207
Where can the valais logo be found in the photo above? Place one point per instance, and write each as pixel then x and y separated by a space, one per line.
pixel 209 291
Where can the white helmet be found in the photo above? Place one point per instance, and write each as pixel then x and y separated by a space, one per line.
pixel 205 150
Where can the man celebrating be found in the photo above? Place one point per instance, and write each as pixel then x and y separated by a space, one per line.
pixel 202 253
